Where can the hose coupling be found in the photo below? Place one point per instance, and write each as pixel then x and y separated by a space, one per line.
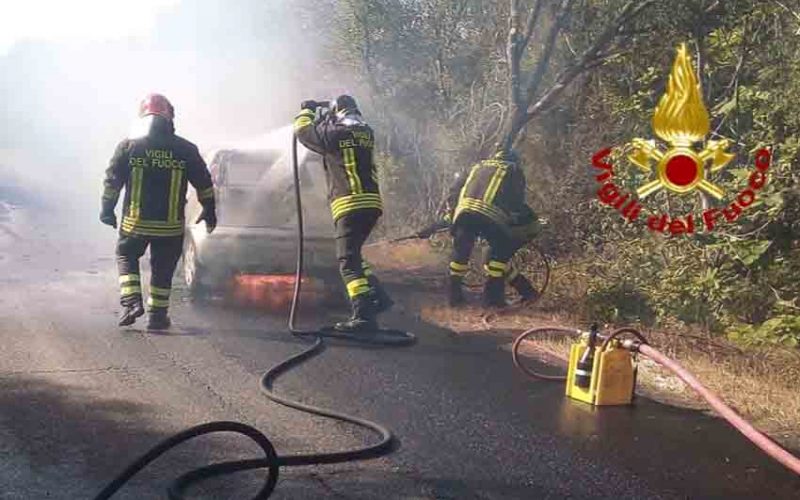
pixel 632 345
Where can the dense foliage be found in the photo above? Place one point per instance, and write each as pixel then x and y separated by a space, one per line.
pixel 436 74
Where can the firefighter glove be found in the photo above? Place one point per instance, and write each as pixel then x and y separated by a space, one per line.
pixel 209 215
pixel 107 215
pixel 109 218
pixel 309 104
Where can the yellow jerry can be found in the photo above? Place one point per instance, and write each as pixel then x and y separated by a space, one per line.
pixel 613 376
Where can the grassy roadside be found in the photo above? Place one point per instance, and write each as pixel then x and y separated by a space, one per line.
pixel 761 384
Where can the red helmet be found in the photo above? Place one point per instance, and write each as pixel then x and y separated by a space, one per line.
pixel 156 104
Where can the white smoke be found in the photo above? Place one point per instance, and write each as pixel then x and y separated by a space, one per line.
pixel 73 73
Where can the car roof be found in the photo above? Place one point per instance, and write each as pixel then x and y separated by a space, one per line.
pixel 234 155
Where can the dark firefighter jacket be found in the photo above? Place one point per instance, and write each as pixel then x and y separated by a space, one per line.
pixel 346 147
pixel 494 188
pixel 154 170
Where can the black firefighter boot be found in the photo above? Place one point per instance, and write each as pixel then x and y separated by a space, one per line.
pixel 455 294
pixel 524 288
pixel 131 310
pixel 494 292
pixel 363 319
pixel 383 302
pixel 158 319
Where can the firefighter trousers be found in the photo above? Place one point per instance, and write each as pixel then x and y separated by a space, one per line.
pixel 466 229
pixel 164 255
pixel 352 230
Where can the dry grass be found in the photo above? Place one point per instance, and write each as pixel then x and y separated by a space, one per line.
pixel 760 384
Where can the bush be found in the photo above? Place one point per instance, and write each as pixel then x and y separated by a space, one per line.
pixel 618 303
pixel 783 330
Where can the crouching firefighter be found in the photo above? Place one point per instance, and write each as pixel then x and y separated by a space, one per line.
pixel 488 205
pixel 346 144
pixel 154 170
pixel 525 226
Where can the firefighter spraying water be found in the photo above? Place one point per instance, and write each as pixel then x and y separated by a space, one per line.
pixel 346 144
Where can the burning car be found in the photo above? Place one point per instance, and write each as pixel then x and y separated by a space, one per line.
pixel 252 252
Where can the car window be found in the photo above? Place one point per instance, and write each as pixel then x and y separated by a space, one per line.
pixel 257 190
pixel 244 169
pixel 249 173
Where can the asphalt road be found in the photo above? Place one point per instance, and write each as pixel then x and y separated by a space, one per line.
pixel 80 398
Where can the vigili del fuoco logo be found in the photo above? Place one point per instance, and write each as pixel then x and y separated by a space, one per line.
pixel 677 165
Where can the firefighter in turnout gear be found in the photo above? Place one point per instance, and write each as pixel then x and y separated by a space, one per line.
pixel 489 203
pixel 346 144
pixel 154 170
pixel 525 226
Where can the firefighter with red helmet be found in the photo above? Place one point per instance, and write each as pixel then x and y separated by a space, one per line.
pixel 346 143
pixel 154 170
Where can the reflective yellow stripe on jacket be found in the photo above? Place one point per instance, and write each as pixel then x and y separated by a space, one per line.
pixel 143 227
pixel 345 204
pixel 174 195
pixel 137 174
pixel 481 207
pixel 351 168
pixel 494 184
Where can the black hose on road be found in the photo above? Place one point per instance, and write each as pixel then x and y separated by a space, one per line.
pixel 271 460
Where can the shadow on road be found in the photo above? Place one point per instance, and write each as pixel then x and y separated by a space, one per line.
pixel 64 442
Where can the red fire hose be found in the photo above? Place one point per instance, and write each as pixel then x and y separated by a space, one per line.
pixel 758 438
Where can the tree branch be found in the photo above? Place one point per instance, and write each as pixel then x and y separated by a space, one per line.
pixel 515 49
pixel 533 19
pixel 544 61
pixel 513 54
pixel 588 58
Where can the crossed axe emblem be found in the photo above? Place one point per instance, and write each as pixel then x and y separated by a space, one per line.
pixel 680 169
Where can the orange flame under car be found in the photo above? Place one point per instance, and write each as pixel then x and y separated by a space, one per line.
pixel 270 291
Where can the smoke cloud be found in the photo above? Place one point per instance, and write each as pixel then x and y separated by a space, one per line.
pixel 74 72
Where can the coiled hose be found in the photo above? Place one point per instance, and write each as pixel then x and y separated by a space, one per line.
pixel 271 460
pixel 758 438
